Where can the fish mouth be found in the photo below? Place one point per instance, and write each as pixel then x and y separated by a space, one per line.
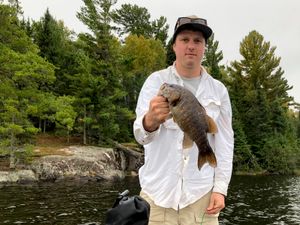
pixel 163 86
pixel 164 90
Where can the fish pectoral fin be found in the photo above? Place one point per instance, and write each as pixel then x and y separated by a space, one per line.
pixel 170 116
pixel 187 141
pixel 174 119
pixel 212 126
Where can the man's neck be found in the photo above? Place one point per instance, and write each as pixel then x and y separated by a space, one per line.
pixel 188 72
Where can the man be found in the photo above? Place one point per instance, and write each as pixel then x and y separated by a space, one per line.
pixel 178 192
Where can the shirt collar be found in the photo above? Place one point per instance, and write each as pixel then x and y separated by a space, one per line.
pixel 204 73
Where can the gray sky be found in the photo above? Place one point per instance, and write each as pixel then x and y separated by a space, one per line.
pixel 231 20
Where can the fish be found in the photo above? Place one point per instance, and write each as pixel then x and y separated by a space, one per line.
pixel 191 117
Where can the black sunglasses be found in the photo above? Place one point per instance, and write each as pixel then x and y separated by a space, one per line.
pixel 185 20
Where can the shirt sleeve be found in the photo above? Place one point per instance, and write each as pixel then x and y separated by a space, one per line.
pixel 148 91
pixel 224 143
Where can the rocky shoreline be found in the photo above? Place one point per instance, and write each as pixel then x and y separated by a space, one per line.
pixel 77 163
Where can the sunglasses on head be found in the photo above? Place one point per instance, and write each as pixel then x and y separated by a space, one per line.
pixel 185 20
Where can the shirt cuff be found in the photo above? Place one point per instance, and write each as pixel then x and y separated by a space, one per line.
pixel 141 135
pixel 220 187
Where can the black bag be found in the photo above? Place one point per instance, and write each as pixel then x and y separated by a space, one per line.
pixel 128 210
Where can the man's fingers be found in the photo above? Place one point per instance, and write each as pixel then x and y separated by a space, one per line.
pixel 216 204
pixel 210 206
pixel 213 211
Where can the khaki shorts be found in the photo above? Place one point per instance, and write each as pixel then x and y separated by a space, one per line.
pixel 193 214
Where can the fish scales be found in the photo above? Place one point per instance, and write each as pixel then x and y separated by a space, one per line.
pixel 191 117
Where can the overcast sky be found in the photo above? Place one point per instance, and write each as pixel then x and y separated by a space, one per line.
pixel 231 20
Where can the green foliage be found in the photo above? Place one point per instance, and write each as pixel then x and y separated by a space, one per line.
pixel 65 114
pixel 278 155
pixel 23 75
pixel 298 126
pixel 49 36
pixel 24 154
pixel 244 160
pixel 141 57
pixel 96 14
pixel 105 91
pixel 10 33
pixel 54 41
pixel 135 20
pixel 259 93
pixel 213 58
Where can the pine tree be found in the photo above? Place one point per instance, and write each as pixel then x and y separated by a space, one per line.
pixel 23 74
pixel 244 160
pixel 103 50
pixel 135 20
pixel 259 92
pixel 213 58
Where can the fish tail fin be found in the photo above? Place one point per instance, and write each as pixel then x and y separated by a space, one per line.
pixel 207 156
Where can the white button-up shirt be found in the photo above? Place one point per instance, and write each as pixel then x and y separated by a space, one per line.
pixel 170 175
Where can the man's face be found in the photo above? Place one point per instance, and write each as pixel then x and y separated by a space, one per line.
pixel 189 48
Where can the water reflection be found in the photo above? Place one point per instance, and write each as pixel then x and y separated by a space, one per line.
pixel 263 200
pixel 252 200
pixel 60 203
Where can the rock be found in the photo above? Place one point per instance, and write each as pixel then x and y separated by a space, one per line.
pixel 19 176
pixel 88 161
pixel 79 163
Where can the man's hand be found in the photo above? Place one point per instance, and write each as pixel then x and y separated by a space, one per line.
pixel 216 204
pixel 157 114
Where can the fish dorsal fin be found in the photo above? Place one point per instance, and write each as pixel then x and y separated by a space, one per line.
pixel 212 126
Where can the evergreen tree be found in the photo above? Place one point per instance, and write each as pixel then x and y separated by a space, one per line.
pixel 243 160
pixel 23 74
pixel 65 114
pixel 213 58
pixel 103 49
pixel 259 92
pixel 160 29
pixel 49 37
pixel 135 20
pixel 27 27
pixel 54 40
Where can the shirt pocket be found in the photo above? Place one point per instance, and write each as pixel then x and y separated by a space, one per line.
pixel 212 106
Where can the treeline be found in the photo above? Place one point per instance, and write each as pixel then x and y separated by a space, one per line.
pixel 55 81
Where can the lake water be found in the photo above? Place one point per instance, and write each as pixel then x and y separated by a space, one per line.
pixel 263 200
